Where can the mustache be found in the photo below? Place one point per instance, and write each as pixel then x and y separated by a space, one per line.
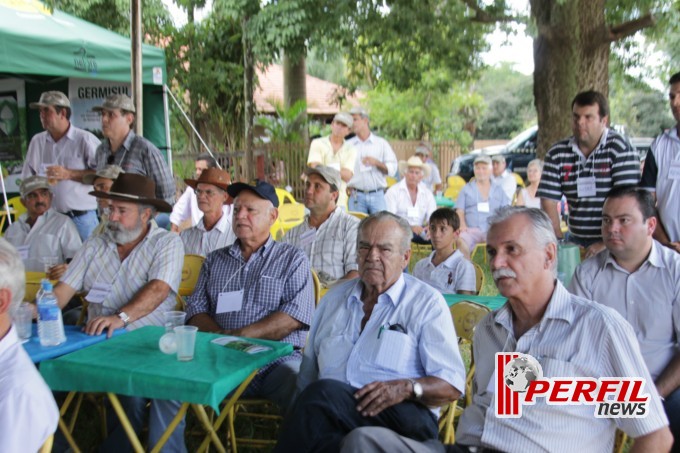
pixel 40 205
pixel 503 273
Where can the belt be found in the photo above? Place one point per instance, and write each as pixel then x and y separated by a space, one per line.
pixel 367 191
pixel 74 213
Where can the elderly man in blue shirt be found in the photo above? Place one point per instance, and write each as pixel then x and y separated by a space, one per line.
pixel 382 350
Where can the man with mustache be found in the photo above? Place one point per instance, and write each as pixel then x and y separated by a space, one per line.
pixel 42 232
pixel 382 350
pixel 568 335
pixel 661 174
pixel 640 279
pixel 584 168
pixel 130 275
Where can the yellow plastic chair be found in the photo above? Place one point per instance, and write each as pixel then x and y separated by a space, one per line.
pixel 518 178
pixel 480 248
pixel 466 315
pixel 454 184
pixel 479 277
pixel 290 216
pixel 190 270
pixel 284 196
pixel 317 288
pixel 358 215
pixel 418 252
pixel 33 284
pixel 47 446
pixel 14 207
pixel 390 181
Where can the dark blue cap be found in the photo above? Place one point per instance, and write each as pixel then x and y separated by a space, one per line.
pixel 261 189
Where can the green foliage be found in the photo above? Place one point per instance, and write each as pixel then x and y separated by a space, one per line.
pixel 285 127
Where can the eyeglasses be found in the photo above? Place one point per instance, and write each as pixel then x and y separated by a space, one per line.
pixel 208 193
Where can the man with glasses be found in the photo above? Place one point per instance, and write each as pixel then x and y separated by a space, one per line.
pixel 64 154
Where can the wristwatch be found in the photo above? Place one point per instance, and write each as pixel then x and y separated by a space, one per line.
pixel 123 317
pixel 417 389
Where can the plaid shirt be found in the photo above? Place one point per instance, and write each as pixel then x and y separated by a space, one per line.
pixel 138 155
pixel 334 247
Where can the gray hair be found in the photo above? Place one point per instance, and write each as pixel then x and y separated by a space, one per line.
pixel 384 216
pixel 141 207
pixel 543 232
pixel 12 274
pixel 537 162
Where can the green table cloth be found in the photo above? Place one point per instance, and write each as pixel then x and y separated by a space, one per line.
pixel 444 202
pixel 132 365
pixel 493 302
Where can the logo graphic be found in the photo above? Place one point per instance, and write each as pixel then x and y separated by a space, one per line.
pixel 82 61
pixel 519 381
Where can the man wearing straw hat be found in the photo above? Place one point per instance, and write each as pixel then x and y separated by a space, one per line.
pixel 410 199
pixel 64 154
pixel 213 231
pixel 130 276
pixel 434 181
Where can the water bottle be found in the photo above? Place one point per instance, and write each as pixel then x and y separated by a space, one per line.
pixel 50 323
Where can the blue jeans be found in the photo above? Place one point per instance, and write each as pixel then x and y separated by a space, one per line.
pixel 672 407
pixel 368 203
pixel 86 223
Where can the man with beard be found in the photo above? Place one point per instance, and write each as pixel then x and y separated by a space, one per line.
pixel 131 275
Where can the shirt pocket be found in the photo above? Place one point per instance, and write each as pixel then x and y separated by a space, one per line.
pixel 333 354
pixel 396 351
pixel 554 368
pixel 268 292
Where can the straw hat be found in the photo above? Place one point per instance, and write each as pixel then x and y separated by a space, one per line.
pixel 414 161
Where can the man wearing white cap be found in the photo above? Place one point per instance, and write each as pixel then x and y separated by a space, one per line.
pixel 335 152
pixel 375 160
pixel 434 181
pixel 410 199
pixel 503 177
pixel 64 154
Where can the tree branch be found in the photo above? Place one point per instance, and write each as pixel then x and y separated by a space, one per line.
pixel 618 32
pixel 482 16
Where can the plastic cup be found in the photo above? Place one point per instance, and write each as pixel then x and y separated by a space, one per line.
pixel 185 337
pixel 172 319
pixel 49 262
pixel 23 320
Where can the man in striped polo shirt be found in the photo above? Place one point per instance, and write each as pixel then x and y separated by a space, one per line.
pixel 584 168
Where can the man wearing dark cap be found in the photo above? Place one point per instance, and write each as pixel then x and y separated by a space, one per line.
pixel 130 276
pixel 102 182
pixel 336 152
pixel 257 288
pixel 213 231
pixel 132 152
pixel 64 154
pixel 328 235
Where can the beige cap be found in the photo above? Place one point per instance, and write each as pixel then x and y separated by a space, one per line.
pixel 344 118
pixel 330 175
pixel 55 98
pixel 32 183
pixel 498 158
pixel 483 159
pixel 358 110
pixel 117 101
pixel 109 172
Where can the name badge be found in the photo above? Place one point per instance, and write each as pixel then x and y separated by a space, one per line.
pixel 307 237
pixel 674 171
pixel 43 168
pixel 483 206
pixel 98 293
pixel 334 165
pixel 230 301
pixel 585 187
pixel 23 252
pixel 413 213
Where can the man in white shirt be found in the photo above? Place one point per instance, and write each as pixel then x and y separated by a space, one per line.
pixel 28 411
pixel 503 177
pixel 639 278
pixel 375 160
pixel 214 230
pixel 64 154
pixel 328 235
pixel 335 152
pixel 43 234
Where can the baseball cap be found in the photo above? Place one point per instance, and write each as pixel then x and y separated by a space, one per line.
pixel 344 118
pixel 482 158
pixel 498 158
pixel 32 183
pixel 55 98
pixel 359 111
pixel 116 101
pixel 262 189
pixel 108 172
pixel 330 175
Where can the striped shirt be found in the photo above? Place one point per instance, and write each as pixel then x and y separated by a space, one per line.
pixel 369 177
pixel 454 274
pixel 340 349
pixel 332 248
pixel 76 151
pixel 198 241
pixel 575 337
pixel 52 235
pixel 138 155
pixel 648 298
pixel 614 162
pixel 662 175
pixel 159 256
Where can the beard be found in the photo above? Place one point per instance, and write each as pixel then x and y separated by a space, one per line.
pixel 121 235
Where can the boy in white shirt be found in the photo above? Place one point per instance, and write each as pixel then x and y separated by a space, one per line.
pixel 446 269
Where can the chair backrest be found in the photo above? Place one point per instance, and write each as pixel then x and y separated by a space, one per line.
pixel 466 315
pixel 33 284
pixel 479 277
pixel 518 178
pixel 17 206
pixel 317 287
pixel 292 212
pixel 455 181
pixel 284 196
pixel 358 215
pixel 190 270
pixel 390 181
pixel 452 193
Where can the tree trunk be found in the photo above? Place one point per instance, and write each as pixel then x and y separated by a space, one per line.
pixel 295 86
pixel 571 54
pixel 248 90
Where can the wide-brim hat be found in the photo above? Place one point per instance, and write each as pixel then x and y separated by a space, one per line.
pixel 134 188
pixel 215 176
pixel 414 161
pixel 261 189
pixel 109 172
